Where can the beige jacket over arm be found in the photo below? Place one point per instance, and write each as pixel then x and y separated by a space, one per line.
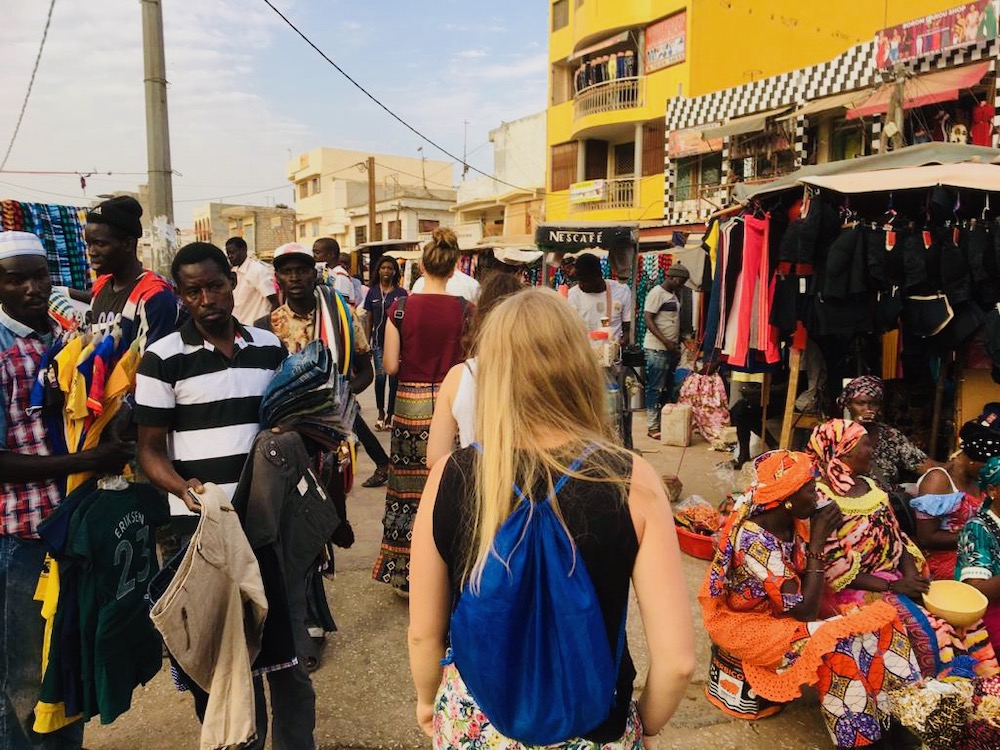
pixel 212 617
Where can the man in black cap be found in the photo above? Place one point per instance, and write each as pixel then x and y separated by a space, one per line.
pixel 662 344
pixel 125 293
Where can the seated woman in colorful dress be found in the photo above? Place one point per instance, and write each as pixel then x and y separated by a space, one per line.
pixel 948 496
pixel 762 603
pixel 979 548
pixel 870 559
pixel 893 455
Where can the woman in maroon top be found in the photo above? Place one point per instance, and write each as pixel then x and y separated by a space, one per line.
pixel 422 342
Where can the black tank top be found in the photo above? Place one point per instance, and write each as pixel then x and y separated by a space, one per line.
pixel 604 536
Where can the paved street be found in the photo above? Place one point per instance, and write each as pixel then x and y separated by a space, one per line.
pixel 364 695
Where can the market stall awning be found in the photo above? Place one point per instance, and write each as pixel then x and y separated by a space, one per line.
pixel 828 103
pixel 970 175
pixel 611 41
pixel 920 91
pixel 910 156
pixel 741 125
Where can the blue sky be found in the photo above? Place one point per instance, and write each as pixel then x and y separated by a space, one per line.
pixel 245 90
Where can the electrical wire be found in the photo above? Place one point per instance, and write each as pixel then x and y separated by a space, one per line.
pixel 31 83
pixel 284 186
pixel 388 111
pixel 89 173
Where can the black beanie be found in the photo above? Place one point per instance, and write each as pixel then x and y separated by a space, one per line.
pixel 122 212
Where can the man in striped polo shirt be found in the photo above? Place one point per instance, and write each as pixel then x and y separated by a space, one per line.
pixel 198 389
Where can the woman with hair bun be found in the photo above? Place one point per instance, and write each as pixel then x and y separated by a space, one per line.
pixel 423 340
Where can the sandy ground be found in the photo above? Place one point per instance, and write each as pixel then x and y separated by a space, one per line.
pixel 365 698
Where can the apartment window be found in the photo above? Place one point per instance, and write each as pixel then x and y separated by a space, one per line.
pixel 564 165
pixel 314 229
pixel 625 159
pixel 561 84
pixel 560 14
pixel 427 225
pixel 595 163
pixel 654 144
pixel 396 230
pixel 302 230
pixel 303 190
pixel 378 232
pixel 314 186
pixel 695 174
pixel 360 235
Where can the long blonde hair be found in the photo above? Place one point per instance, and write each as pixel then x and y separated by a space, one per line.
pixel 536 377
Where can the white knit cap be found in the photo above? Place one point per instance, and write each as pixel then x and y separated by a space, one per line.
pixel 13 244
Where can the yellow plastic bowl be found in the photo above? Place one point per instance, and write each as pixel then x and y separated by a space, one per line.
pixel 957 602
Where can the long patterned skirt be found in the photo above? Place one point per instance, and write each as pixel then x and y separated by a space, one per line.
pixel 936 643
pixel 407 476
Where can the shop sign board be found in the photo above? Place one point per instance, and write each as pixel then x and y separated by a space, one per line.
pixel 688 142
pixel 569 238
pixel 666 42
pixel 588 191
pixel 966 24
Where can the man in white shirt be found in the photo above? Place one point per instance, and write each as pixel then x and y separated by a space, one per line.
pixel 662 344
pixel 597 299
pixel 459 285
pixel 326 251
pixel 255 294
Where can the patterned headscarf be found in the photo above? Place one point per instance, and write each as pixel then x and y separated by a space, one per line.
pixel 779 475
pixel 989 475
pixel 831 441
pixel 979 443
pixel 866 385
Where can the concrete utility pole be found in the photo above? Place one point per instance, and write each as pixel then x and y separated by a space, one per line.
pixel 371 198
pixel 161 192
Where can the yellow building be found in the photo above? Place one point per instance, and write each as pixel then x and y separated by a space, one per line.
pixel 614 65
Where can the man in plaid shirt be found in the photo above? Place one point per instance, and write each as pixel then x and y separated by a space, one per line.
pixel 29 489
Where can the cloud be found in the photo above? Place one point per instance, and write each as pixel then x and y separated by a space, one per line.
pixel 471 54
pixel 87 108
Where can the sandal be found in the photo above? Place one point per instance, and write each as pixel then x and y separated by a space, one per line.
pixel 382 426
pixel 380 477
pixel 654 435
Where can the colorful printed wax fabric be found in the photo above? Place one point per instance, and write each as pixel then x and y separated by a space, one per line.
pixel 870 541
pixel 407 476
pixel 60 228
pixel 893 454
pixel 942 562
pixel 460 724
pixel 853 661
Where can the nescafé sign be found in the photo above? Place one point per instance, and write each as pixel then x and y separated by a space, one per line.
pixel 569 238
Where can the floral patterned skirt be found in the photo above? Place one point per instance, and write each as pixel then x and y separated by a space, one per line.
pixel 460 724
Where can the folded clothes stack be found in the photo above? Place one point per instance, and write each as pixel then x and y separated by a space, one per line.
pixel 309 395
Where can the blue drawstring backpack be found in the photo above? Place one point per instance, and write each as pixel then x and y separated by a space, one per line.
pixel 531 646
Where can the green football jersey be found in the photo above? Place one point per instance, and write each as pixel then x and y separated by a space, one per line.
pixel 115 542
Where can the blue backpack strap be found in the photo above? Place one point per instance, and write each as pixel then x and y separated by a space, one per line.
pixel 561 482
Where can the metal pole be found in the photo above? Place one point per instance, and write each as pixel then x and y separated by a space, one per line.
pixel 371 198
pixel 161 195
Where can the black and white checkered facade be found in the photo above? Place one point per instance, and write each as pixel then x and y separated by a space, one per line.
pixel 854 70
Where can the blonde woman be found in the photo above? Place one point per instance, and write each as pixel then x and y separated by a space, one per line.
pixel 423 340
pixel 455 410
pixel 534 359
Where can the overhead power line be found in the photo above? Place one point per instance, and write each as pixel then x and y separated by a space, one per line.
pixel 31 83
pixel 388 111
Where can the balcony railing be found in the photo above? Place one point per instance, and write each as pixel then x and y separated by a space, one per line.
pixel 609 96
pixel 617 194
